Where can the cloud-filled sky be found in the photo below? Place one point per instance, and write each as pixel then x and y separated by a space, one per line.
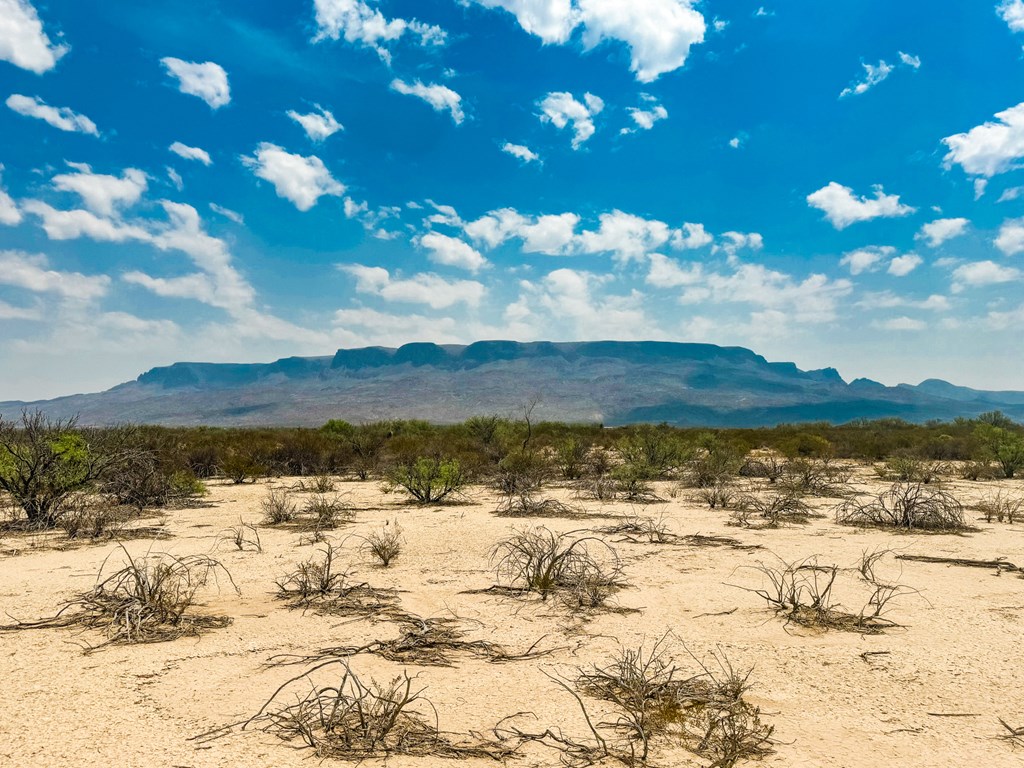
pixel 836 184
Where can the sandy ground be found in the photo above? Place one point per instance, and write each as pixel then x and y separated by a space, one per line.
pixel 930 697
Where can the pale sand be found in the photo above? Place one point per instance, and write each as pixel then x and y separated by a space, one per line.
pixel 958 651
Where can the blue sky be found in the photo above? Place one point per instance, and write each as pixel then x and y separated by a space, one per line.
pixel 836 184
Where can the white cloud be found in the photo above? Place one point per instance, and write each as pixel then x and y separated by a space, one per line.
pixel 1012 12
pixel 939 231
pixel 889 300
pixel 440 97
pixel 73 224
pixel 901 324
pixel 734 142
pixel 668 273
pixel 659 33
pixel 1011 193
pixel 572 296
pixel 981 273
pixel 207 80
pixel 318 125
pixel 909 60
pixel 426 288
pixel 302 180
pixel 10 312
pixel 525 154
pixel 452 252
pixel 843 208
pixel 646 118
pixel 22 39
pixel 227 213
pixel 901 266
pixel 990 148
pixel 732 242
pixel 1011 237
pixel 190 153
pixel 560 108
pixel 691 236
pixel 63 118
pixel 866 259
pixel 9 213
pixel 873 75
pixel 625 236
pixel 101 193
pixel 553 234
pixel 358 23
pixel 979 188
pixel 393 329
pixel 32 273
pixel 175 178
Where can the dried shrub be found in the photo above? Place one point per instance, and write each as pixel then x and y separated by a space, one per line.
pixel 911 469
pixel 769 511
pixel 148 600
pixel 244 537
pixel 802 593
pixel 814 477
pixel 980 469
pixel 598 487
pixel 905 506
pixel 89 519
pixel 325 512
pixel 352 720
pixel 766 465
pixel 319 584
pixel 318 484
pixel 384 545
pixel 1001 506
pixel 525 504
pixel 718 495
pixel 636 529
pixel 541 561
pixel 278 507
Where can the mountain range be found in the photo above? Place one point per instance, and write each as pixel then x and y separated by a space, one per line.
pixel 609 382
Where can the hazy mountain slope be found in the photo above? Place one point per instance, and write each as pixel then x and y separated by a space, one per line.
pixel 608 382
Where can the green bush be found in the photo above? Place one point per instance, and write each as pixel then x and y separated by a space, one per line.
pixel 428 480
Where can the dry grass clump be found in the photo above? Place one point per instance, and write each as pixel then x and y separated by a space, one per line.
pixel 322 483
pixel 642 529
pixel 525 504
pixel 771 511
pixel 384 545
pixel 766 465
pixel 583 570
pixel 278 507
pixel 1001 507
pixel 353 720
pixel 718 495
pixel 244 537
pixel 148 600
pixel 326 512
pixel 91 522
pixel 905 506
pixel 911 469
pixel 318 584
pixel 802 593
pixel 1013 735
pixel 815 477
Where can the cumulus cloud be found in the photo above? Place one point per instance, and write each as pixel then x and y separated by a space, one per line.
pixel 190 153
pixel 560 109
pixel 425 288
pixel 452 252
pixel 302 180
pixel 866 259
pixel 525 154
pixel 981 273
pixel 645 119
pixel 939 231
pixel 890 300
pixel 659 33
pixel 440 97
pixel 909 60
pixel 318 125
pixel 22 40
pixel 9 213
pixel 553 234
pixel 575 297
pixel 1011 237
pixel 102 193
pixel 843 208
pixel 1012 12
pixel 33 273
pixel 358 23
pixel 731 242
pixel 990 148
pixel 690 236
pixel 207 80
pixel 625 236
pixel 73 224
pixel 900 324
pixel 901 266
pixel 63 118
pixel 669 273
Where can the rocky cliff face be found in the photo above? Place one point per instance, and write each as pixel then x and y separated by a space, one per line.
pixel 610 382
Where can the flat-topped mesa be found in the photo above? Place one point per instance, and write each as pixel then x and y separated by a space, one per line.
pixel 223 375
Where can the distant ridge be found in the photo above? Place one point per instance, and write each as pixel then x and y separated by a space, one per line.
pixel 610 382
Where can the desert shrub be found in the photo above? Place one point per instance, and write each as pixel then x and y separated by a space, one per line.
pixel 766 465
pixel 44 462
pixel 244 536
pixel 571 457
pixel 428 480
pixel 802 593
pixel 366 442
pixel 319 583
pixel 1001 506
pixel 600 487
pixel 352 720
pixel 529 505
pixel 278 507
pixel 325 511
pixel 636 528
pixel 1003 445
pixel 911 469
pixel 719 495
pixel 544 562
pixel 817 477
pixel 906 506
pixel 977 469
pixel 148 600
pixel 632 484
pixel 769 511
pixel 522 470
pixel 714 462
pixel 651 453
pixel 384 545
pixel 319 483
pixel 242 465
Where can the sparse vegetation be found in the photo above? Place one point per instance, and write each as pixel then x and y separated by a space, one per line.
pixel 1001 506
pixel 278 507
pixel 320 584
pixel 770 511
pixel 385 544
pixel 905 506
pixel 428 480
